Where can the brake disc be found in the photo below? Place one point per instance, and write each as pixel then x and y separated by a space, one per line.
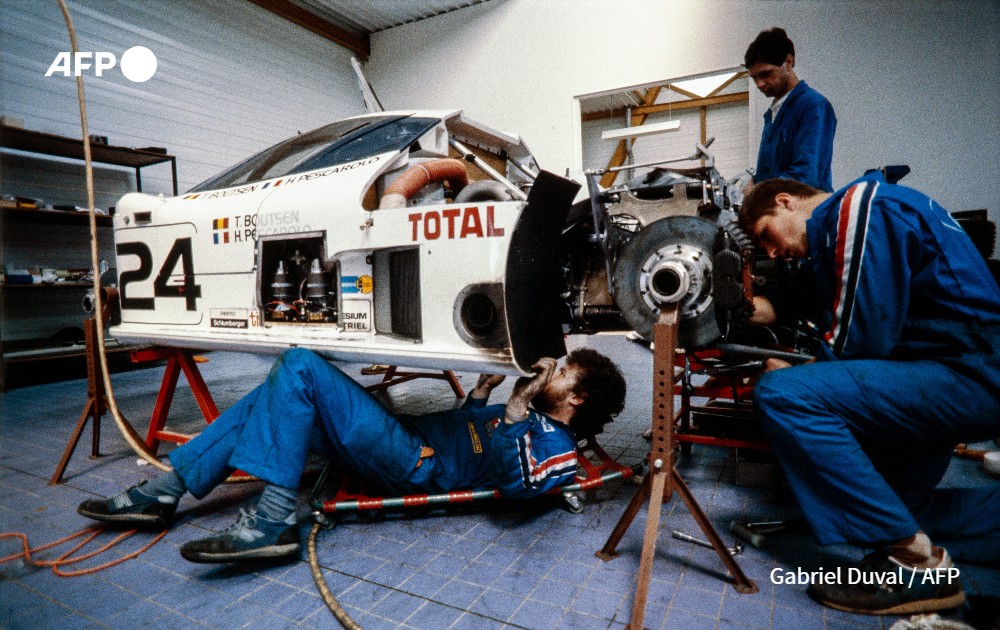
pixel 670 261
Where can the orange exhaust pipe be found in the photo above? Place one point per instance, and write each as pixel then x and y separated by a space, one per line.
pixel 416 177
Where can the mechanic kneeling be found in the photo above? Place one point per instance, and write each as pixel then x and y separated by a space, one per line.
pixel 910 368
pixel 306 404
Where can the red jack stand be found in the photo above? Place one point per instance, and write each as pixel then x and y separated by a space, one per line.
pixel 177 359
pixel 663 478
pixel 394 377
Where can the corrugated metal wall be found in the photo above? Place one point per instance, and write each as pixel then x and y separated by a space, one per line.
pixel 231 78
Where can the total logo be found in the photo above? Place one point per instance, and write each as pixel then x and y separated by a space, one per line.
pixel 138 63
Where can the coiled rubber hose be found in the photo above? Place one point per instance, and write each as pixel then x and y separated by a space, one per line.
pixel 324 591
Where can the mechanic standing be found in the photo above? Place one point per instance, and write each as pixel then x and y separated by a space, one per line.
pixel 797 141
pixel 908 368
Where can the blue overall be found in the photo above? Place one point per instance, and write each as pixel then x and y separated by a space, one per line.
pixel 308 405
pixel 798 144
pixel 911 367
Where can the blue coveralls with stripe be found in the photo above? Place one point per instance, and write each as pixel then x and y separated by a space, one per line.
pixel 308 405
pixel 911 368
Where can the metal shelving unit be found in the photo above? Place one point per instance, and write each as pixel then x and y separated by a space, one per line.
pixel 28 352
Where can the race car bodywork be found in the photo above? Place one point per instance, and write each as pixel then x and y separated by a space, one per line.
pixel 367 240
pixel 362 240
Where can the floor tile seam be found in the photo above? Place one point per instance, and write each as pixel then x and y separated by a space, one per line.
pixel 34 475
pixel 138 561
pixel 590 616
pixel 461 611
pixel 269 612
pixel 61 604
pixel 63 483
pixel 403 591
pixel 539 585
pixel 426 599
pixel 502 621
pixel 614 614
pixel 673 599
pixel 565 609
pixel 166 609
pixel 273 580
pixel 598 589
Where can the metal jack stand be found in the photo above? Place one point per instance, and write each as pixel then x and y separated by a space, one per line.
pixel 395 376
pixel 663 478
pixel 96 403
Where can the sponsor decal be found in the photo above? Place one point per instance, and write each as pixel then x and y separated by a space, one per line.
pixel 287 180
pixel 229 192
pixel 356 284
pixel 236 229
pixel 230 318
pixel 284 222
pixel 356 315
pixel 477 445
pixel 333 170
pixel 365 284
pixel 491 426
pixel 452 223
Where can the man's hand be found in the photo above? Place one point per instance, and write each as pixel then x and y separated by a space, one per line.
pixel 772 364
pixel 763 312
pixel 526 388
pixel 485 385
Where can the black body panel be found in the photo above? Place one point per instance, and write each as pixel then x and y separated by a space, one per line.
pixel 534 282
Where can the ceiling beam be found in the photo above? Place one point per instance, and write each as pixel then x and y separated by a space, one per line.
pixel 359 44
pixel 728 82
pixel 736 97
pixel 682 91
pixel 621 151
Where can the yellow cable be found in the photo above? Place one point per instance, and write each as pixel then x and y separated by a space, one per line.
pixel 324 591
pixel 126 429
pixel 124 426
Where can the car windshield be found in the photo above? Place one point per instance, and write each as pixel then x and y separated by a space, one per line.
pixel 338 143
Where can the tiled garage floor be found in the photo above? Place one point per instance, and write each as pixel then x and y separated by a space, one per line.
pixel 507 565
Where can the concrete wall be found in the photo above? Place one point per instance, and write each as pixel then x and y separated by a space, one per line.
pixel 913 82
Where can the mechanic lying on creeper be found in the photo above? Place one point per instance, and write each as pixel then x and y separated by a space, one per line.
pixel 909 367
pixel 306 404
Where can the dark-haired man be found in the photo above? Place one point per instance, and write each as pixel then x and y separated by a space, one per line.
pixel 909 367
pixel 308 405
pixel 797 141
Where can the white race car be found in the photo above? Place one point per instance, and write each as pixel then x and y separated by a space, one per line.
pixel 424 239
pixel 363 240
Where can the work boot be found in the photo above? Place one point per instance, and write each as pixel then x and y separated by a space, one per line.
pixel 881 585
pixel 251 537
pixel 132 507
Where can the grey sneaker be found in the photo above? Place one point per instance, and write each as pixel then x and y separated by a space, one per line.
pixel 132 507
pixel 883 586
pixel 251 537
